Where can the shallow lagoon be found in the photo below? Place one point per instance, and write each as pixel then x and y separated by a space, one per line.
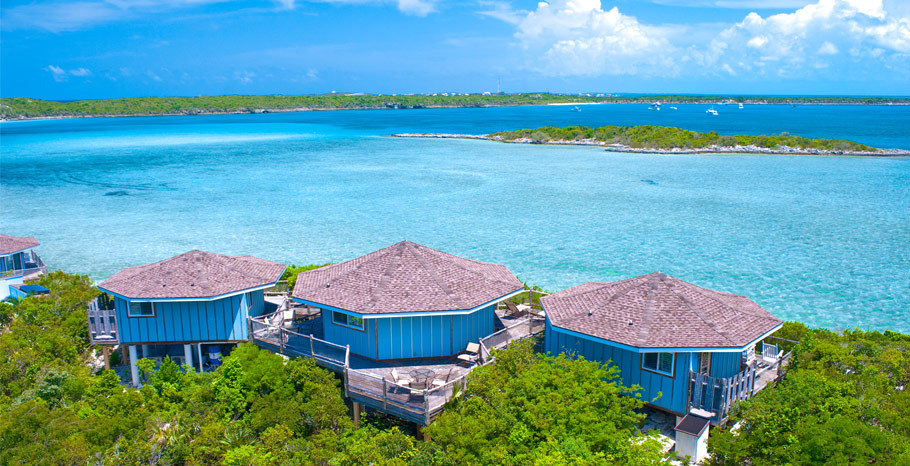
pixel 823 240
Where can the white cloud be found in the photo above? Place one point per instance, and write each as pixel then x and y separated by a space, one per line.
pixel 502 11
pixel 827 48
pixel 808 38
pixel 81 72
pixel 58 73
pixel 59 15
pixel 578 37
pixel 151 74
pixel 245 77
pixel 416 7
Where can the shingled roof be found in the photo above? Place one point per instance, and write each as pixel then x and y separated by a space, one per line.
pixel 406 277
pixel 11 244
pixel 659 311
pixel 195 274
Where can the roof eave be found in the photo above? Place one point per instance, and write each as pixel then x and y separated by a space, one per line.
pixel 667 349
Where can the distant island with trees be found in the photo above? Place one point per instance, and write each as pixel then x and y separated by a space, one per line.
pixel 670 140
pixel 22 108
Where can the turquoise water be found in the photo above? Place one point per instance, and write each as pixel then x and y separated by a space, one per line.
pixel 823 240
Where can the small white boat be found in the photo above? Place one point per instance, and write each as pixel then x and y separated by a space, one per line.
pixel 711 111
pixel 576 109
pixel 740 105
pixel 673 108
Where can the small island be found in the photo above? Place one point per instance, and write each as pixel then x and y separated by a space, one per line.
pixel 652 139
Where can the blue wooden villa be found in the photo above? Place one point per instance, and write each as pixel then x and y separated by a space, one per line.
pixel 407 301
pixel 19 262
pixel 687 347
pixel 403 325
pixel 198 302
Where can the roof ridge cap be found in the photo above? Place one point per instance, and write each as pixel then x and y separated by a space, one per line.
pixel 386 276
pixel 445 288
pixel 672 286
pixel 457 264
pixel 223 258
pixel 645 326
pixel 385 251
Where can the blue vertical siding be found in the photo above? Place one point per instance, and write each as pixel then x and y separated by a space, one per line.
pixel 660 390
pixel 725 364
pixel 190 321
pixel 428 336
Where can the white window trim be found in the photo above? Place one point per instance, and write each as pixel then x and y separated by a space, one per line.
pixel 348 316
pixel 129 310
pixel 657 370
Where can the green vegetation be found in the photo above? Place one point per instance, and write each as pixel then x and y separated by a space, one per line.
pixel 845 400
pixel 258 409
pixel 290 273
pixel 664 137
pixel 21 107
pixel 531 408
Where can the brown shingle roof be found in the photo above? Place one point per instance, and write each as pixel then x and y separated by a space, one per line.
pixel 406 277
pixel 11 244
pixel 664 312
pixel 195 274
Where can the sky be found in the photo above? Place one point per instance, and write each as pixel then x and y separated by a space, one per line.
pixel 88 49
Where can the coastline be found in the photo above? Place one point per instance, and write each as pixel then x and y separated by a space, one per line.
pixel 264 110
pixel 745 150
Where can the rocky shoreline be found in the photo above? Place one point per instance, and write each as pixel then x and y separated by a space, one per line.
pixel 712 149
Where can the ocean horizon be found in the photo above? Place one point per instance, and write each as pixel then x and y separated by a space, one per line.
pixel 821 240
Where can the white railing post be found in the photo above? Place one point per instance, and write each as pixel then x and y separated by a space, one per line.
pixel 347 355
pixel 426 405
pixel 312 351
pixel 281 338
pixel 385 395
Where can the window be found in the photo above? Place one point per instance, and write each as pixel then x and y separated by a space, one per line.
pixel 347 320
pixel 141 310
pixel 662 363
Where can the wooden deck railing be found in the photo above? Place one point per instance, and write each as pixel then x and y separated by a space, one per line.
pixel 718 394
pixel 102 322
pixel 419 405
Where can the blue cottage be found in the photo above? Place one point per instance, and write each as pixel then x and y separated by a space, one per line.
pixel 661 332
pixel 18 262
pixel 197 300
pixel 406 301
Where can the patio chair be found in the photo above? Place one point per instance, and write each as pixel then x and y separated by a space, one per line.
pixel 441 383
pixel 399 379
pixel 470 354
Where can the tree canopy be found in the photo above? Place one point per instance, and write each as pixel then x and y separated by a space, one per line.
pixel 666 137
pixel 845 400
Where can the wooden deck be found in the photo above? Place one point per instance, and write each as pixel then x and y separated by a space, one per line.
pixel 371 382
pixel 718 395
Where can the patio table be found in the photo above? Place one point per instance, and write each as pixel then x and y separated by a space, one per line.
pixel 420 377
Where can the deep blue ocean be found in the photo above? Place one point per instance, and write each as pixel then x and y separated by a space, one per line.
pixel 823 240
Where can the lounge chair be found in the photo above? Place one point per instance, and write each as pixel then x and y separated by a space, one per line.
pixel 514 311
pixel 398 379
pixel 470 353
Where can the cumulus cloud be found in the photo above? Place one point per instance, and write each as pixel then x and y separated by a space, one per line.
pixel 81 72
pixel 811 37
pixel 579 37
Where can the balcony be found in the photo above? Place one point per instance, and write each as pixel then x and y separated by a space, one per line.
pixel 380 384
pixel 102 321
pixel 713 397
